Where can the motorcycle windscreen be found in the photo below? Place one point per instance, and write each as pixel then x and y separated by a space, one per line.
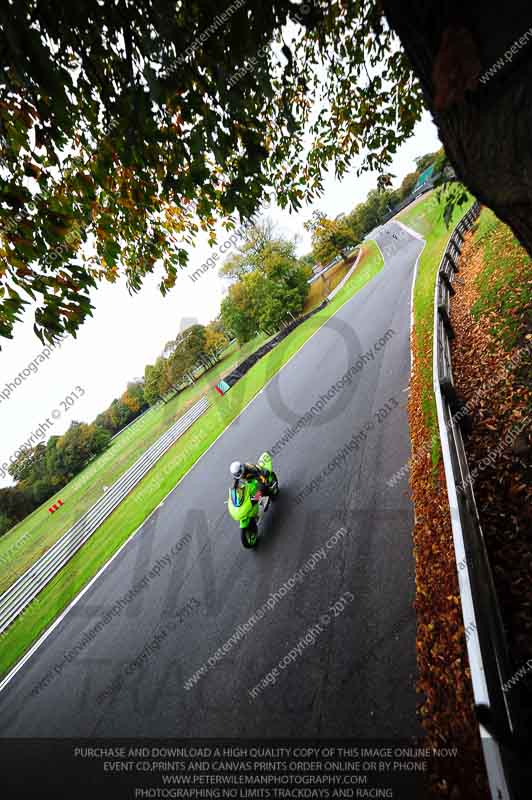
pixel 239 513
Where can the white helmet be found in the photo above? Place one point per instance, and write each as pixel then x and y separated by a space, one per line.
pixel 236 469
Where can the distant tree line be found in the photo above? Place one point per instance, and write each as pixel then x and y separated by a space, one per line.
pixel 333 237
pixel 42 471
pixel 197 348
pixel 268 287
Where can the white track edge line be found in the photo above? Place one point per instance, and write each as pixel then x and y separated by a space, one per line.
pixel 18 666
pixel 409 230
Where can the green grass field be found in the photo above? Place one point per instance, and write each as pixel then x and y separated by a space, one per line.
pixel 23 544
pixel 164 475
pixel 426 217
pixel 504 289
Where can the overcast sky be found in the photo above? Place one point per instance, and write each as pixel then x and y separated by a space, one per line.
pixel 128 331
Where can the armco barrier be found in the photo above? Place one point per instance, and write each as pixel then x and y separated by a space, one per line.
pixel 336 260
pixel 27 587
pixel 239 371
pixel 502 730
pixel 345 278
pixel 325 269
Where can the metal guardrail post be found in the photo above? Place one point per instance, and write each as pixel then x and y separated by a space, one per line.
pixel 447 281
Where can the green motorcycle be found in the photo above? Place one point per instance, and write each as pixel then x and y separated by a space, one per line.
pixel 246 504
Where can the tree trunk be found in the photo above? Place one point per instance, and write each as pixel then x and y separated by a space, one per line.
pixel 481 106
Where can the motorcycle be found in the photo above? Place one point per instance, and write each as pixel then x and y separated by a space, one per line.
pixel 246 504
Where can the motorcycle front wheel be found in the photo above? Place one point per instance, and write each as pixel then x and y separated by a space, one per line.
pixel 249 535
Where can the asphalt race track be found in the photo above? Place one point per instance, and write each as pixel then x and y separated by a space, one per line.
pixel 353 676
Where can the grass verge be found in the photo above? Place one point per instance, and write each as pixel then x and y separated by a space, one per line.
pixel 504 287
pixel 426 217
pixel 26 542
pixel 166 473
pixel 446 707
pixel 492 360
pixel 324 285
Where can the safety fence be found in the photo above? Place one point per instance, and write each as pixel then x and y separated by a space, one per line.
pixel 346 277
pixel 26 588
pixel 326 268
pixel 252 359
pixel 502 728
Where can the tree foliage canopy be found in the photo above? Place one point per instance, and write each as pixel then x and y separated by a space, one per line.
pixel 247 255
pixel 197 347
pixel 126 127
pixel 41 470
pixel 265 295
pixel 331 237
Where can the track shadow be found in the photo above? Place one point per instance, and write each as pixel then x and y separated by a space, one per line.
pixel 271 526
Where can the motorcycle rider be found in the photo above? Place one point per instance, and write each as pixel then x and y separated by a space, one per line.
pixel 246 472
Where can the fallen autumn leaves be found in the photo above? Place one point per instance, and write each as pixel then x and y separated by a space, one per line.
pixel 446 710
pixel 489 314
